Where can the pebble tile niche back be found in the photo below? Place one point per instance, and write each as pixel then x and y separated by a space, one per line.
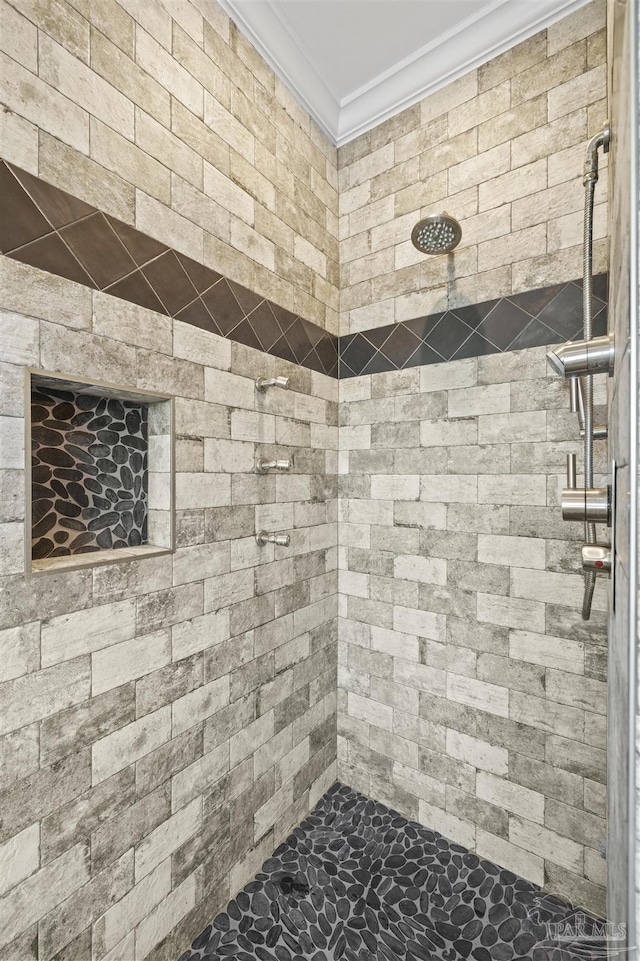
pixel 99 472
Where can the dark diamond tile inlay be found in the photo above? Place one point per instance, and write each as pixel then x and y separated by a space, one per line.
pixel 170 281
pixel 99 249
pixel 52 230
pixel 136 289
pixel 21 221
pixel 356 881
pixel 534 318
pixel 59 207
pixel 52 254
pixel 503 323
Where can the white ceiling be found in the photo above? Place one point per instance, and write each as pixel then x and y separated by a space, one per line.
pixel 354 63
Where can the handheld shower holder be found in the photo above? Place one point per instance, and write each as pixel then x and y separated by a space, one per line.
pixel 579 358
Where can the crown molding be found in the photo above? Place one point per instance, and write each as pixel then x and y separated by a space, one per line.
pixel 497 27
pixel 260 24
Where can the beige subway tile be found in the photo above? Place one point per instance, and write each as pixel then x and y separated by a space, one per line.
pixel 547 715
pixel 577 691
pixel 153 18
pixel 578 92
pixel 228 194
pixel 36 101
pixel 480 695
pixel 478 753
pixel 574 28
pixel 228 128
pixel 82 632
pixel 116 751
pixel 169 72
pixel 481 108
pixel 452 827
pixel 514 185
pixel 431 189
pixel 567 231
pixel 135 166
pixel 529 866
pixel 511 612
pixel 513 61
pixel 441 157
pixel 245 239
pixel 373 163
pixel 168 149
pixel 129 323
pixel 166 838
pixel 80 84
pixel 66 168
pixel 449 96
pixel 558 68
pixel 168 226
pixel 117 68
pixel 549 139
pixel 500 549
pixel 129 660
pixel 513 797
pixel 478 169
pixel 550 587
pixel 512 247
pixel 547 204
pixel 43 891
pixel 19 140
pixel 19 38
pixel 513 123
pixel 449 488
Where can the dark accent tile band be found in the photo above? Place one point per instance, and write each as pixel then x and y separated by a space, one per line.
pixel 50 229
pixel 531 319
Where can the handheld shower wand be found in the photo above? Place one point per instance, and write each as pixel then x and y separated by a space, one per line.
pixel 580 360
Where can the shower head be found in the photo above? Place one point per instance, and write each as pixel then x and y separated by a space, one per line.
pixel 436 234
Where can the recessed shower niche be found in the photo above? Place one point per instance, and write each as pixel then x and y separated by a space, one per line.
pixel 101 472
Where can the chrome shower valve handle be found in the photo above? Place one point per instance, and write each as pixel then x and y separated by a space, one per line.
pixel 590 505
pixel 597 558
pixel 266 537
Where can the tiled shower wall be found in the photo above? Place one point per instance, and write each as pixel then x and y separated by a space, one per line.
pixel 501 149
pixel 164 722
pixel 472 696
pixel 161 114
pixel 117 791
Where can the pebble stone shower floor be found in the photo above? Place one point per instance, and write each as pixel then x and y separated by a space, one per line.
pixel 356 881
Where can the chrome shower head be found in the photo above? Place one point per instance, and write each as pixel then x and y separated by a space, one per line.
pixel 436 234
